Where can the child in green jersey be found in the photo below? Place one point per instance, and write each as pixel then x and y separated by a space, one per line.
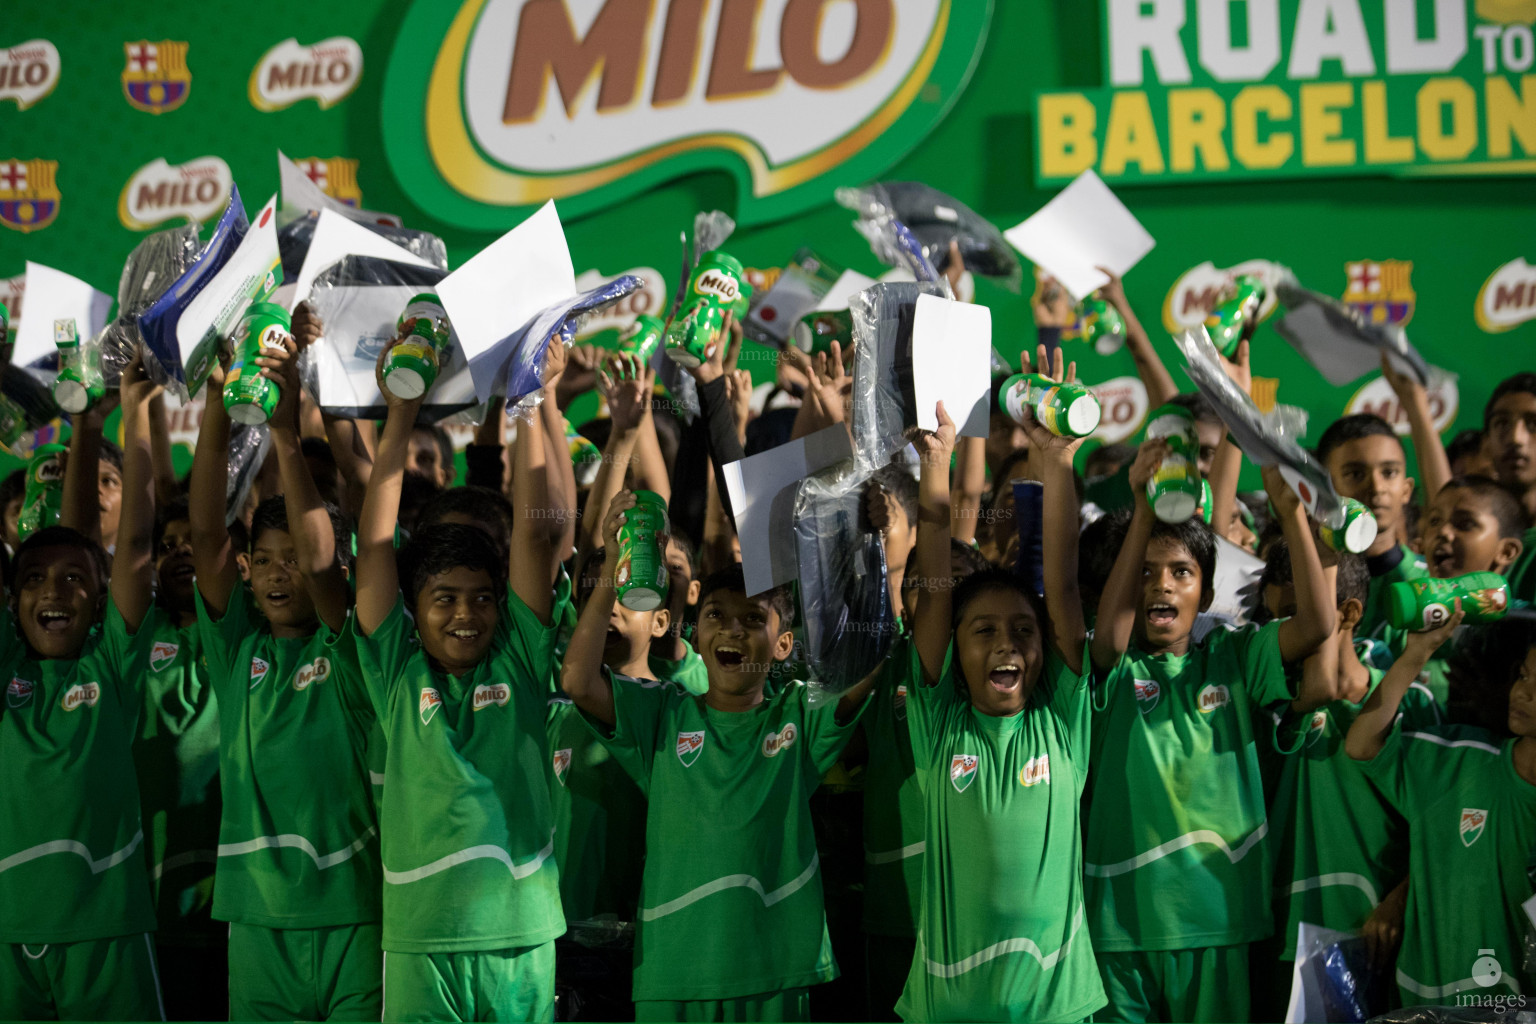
pixel 1509 426
pixel 75 903
pixel 998 711
pixel 1341 854
pixel 1469 795
pixel 471 897
pixel 673 659
pixel 1177 868
pixel 730 850
pixel 298 873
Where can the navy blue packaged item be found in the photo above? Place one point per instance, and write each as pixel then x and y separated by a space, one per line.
pixel 934 220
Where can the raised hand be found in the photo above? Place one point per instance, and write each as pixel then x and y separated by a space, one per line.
pixel 1148 457
pixel 738 392
pixel 629 398
pixel 281 366
pixel 935 446
pixel 1052 369
pixel 306 326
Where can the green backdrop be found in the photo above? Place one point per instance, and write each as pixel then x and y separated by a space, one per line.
pixel 1456 232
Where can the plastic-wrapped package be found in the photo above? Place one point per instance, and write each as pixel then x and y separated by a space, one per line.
pixel 556 324
pixel 936 219
pixel 248 448
pixel 795 292
pixel 150 269
pixel 26 404
pixel 710 230
pixel 849 621
pixel 359 300
pixel 892 241
pixel 1337 341
pixel 294 237
pixel 883 403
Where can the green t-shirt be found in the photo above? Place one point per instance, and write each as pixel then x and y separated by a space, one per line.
pixel 1339 846
pixel 298 840
pixel 893 805
pixel 71 866
pixel 1471 830
pixel 599 815
pixel 1002 935
pixel 1522 575
pixel 468 831
pixel 731 902
pixel 1176 856
pixel 688 672
pixel 176 753
pixel 1373 621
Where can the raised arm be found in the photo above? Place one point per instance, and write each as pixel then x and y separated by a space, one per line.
pixel 1316 610
pixel 1434 465
pixel 213 555
pixel 970 482
pixel 625 400
pixel 350 441
pixel 581 676
pixel 532 556
pixel 1122 591
pixel 562 475
pixel 160 451
pixel 931 626
pixel 82 469
pixel 308 521
pixel 1149 367
pixel 1374 723
pixel 1227 466
pixel 133 564
pixel 1063 601
pixel 378 575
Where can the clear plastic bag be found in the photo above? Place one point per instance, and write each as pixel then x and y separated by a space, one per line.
pixel 893 242
pixel 1336 339
pixel 153 266
pixel 883 403
pixel 849 623
pixel 26 405
pixel 293 241
pixel 248 448
pixel 936 219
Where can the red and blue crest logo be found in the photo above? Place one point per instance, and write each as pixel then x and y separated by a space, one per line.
pixel 29 194
pixel 155 75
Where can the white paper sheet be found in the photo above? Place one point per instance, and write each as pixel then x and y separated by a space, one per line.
pixel 250 275
pixel 300 194
pixel 1085 226
pixel 54 295
pixel 760 485
pixel 952 363
pixel 848 284
pixel 492 298
pixel 335 237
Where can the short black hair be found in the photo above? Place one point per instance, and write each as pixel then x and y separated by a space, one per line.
pixel 731 578
pixel 65 537
pixel 13 486
pixel 1198 406
pixel 1198 539
pixel 1481 669
pixel 1519 384
pixel 111 453
pixel 1506 508
pixel 415 492
pixel 970 558
pixel 179 508
pixel 437 549
pixel 899 484
pixel 1097 546
pixel 1353 579
pixel 478 503
pixel 689 548
pixel 1352 428
pixel 990 579
pixel 1119 454
pixel 1467 442
pixel 272 514
pixel 440 438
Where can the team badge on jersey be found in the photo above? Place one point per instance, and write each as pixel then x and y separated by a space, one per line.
pixel 1035 771
pixel 259 670
pixel 1213 697
pixel 29 195
pixel 431 700
pixel 488 694
pixel 155 77
pixel 688 746
pixel 317 671
pixel 1317 728
pixel 1148 692
pixel 1472 823
pixel 87 694
pixel 562 764
pixel 19 692
pixel 781 740
pixel 962 770
pixel 899 702
pixel 162 654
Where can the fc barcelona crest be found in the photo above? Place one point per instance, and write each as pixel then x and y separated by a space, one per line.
pixel 155 75
pixel 962 771
pixel 29 194
pixel 1380 292
pixel 335 176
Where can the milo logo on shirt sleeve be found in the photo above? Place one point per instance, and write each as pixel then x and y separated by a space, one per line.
pixel 81 695
pixel 781 740
pixel 1213 697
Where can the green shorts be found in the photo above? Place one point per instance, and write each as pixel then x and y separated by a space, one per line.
pixel 1209 984
pixel 99 979
pixel 305 973
pixel 790 1005
pixel 497 984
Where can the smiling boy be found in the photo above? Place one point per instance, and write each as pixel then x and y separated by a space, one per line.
pixel 1177 869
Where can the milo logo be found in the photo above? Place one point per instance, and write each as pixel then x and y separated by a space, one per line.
pixel 49 471
pixel 19 692
pixel 1035 771
pixel 712 282
pixel 781 740
pixel 1213 697
pixel 272 336
pixel 317 671
pixel 81 694
pixel 487 694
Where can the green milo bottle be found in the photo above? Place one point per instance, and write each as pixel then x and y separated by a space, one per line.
pixel 420 349
pixel 1428 603
pixel 643 338
pixel 43 503
pixel 1065 409
pixel 1174 491
pixel 1102 325
pixel 1228 320
pixel 640 576
pixel 250 397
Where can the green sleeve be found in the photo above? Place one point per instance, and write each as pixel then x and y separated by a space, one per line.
pixel 639 711
pixel 1259 668
pixel 1390 770
pixel 382 657
pixel 124 656
pixel 221 637
pixel 529 643
pixel 927 704
pixel 688 671
pixel 1419 710
pixel 825 735
pixel 342 648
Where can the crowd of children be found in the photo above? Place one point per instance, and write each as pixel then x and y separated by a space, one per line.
pixel 376 744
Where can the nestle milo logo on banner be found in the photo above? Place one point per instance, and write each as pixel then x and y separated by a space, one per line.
pixel 326 71
pixel 1378 398
pixel 28 71
pixel 1508 298
pixel 502 104
pixel 158 192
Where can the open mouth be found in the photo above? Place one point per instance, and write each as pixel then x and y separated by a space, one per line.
pixel 278 598
pixel 613 636
pixel 1006 678
pixel 183 571
pixel 1161 616
pixel 464 635
pixel 729 656
pixel 54 621
pixel 1442 562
